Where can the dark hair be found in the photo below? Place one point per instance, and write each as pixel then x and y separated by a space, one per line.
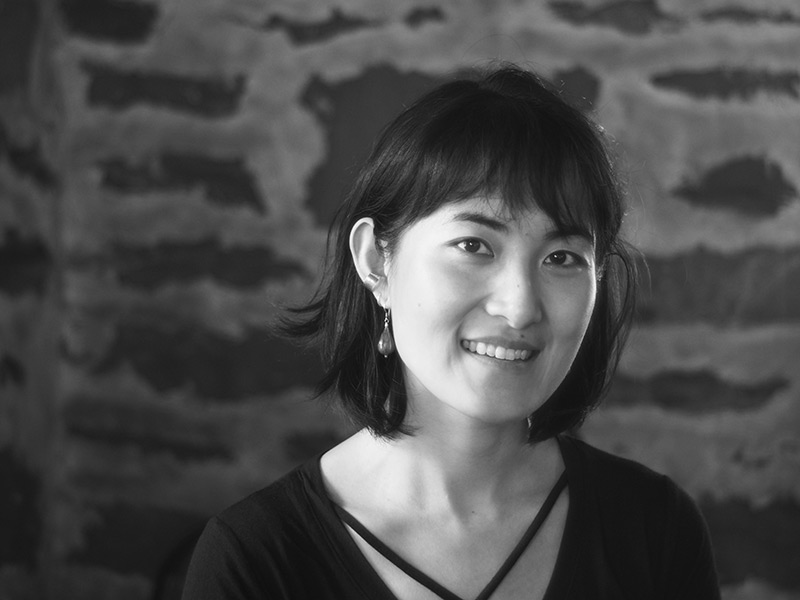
pixel 505 134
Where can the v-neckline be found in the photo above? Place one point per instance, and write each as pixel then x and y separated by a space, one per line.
pixel 354 559
pixel 432 584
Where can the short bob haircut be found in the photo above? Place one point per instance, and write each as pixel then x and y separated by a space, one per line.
pixel 503 134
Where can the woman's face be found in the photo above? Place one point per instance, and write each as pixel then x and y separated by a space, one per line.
pixel 488 313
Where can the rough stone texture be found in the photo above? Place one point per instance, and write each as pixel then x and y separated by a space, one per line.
pixel 12 372
pixel 154 266
pixel 759 286
pixel 750 185
pixel 422 15
pixel 120 21
pixel 19 519
pixel 24 264
pixel 224 181
pixel 119 533
pixel 150 429
pixel 762 542
pixel 727 84
pixel 167 170
pixel 352 113
pixel 18 23
pixel 700 392
pixel 170 354
pixel 628 16
pixel 316 32
pixel 27 161
pixel 738 14
pixel 118 90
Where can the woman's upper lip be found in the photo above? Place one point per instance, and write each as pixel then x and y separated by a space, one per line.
pixel 503 342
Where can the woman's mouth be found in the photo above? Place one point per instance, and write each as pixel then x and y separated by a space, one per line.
pixel 495 351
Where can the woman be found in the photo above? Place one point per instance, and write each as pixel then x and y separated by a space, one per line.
pixel 475 312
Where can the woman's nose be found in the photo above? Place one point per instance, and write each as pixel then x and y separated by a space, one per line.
pixel 516 296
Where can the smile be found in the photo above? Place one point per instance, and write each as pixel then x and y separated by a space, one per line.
pixel 498 352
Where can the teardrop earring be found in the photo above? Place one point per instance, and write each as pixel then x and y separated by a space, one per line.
pixel 386 342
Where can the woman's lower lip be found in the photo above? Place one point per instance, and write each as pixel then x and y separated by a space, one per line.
pixel 509 366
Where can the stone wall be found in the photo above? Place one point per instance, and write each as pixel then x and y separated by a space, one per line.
pixel 167 171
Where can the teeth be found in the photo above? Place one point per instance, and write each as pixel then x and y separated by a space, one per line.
pixel 498 352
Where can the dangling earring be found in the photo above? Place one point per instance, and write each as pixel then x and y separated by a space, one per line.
pixel 386 342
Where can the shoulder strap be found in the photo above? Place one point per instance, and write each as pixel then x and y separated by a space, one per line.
pixel 392 556
pixel 436 587
pixel 530 533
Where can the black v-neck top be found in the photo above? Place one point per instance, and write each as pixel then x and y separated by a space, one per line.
pixel 630 533
pixel 429 582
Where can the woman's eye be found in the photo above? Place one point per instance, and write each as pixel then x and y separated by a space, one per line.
pixel 562 258
pixel 473 246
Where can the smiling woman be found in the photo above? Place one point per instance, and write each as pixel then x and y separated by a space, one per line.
pixel 469 287
pixel 478 299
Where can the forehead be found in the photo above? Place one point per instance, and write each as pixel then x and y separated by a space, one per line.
pixel 491 211
pixel 494 213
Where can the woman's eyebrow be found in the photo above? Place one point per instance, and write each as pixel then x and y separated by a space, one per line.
pixel 481 219
pixel 572 232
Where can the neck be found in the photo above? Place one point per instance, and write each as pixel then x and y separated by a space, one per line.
pixel 467 448
pixel 464 467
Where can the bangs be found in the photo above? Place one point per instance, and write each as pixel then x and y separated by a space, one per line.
pixel 527 156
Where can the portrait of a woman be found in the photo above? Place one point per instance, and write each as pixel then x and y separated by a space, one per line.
pixel 476 302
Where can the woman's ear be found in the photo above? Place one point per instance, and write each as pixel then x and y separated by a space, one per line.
pixel 369 262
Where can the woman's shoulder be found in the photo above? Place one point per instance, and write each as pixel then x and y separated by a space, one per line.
pixel 642 517
pixel 269 542
pixel 286 504
pixel 630 499
pixel 603 465
pixel 623 482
